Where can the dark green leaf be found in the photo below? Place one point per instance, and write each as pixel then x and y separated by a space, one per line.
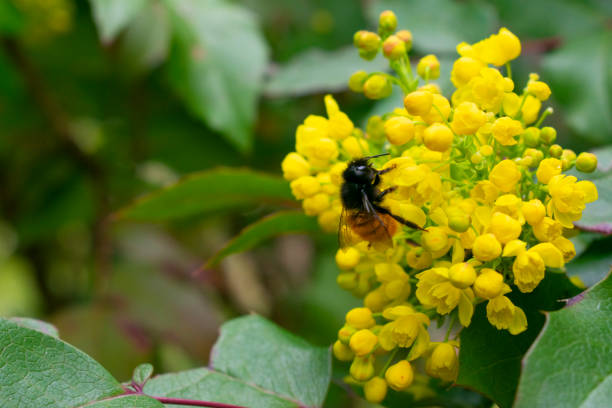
pixel 208 191
pixel 37 370
pixel 207 385
pixel 490 359
pixel 570 365
pixel 217 65
pixel 43 327
pixel 112 16
pixel 142 373
pixel 257 351
pixel 586 104
pixel 317 70
pixel 126 401
pixel 11 20
pixel 289 222
pixel 439 25
pixel 594 264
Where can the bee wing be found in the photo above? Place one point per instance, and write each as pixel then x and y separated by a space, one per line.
pixel 344 229
pixel 371 210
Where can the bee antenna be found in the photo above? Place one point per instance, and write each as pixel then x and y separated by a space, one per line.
pixel 376 155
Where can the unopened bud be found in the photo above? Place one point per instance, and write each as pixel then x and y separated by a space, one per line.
pixel 393 47
pixel 362 368
pixel 387 22
pixel 406 37
pixel 368 44
pixel 548 135
pixel 357 80
pixel 377 87
pixel 586 162
pixel 429 67
pixel 532 136
pixel 555 151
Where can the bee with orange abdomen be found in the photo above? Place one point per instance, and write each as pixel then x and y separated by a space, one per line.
pixel 361 200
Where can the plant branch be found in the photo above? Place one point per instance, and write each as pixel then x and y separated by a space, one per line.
pixel 194 403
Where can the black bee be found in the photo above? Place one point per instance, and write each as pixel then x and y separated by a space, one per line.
pixel 361 199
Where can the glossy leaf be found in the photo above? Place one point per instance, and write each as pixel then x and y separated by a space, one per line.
pixel 38 325
pixel 570 364
pixel 439 25
pixel 112 16
pixel 316 70
pixel 586 105
pixel 280 223
pixel 217 65
pixel 209 191
pixel 37 370
pixel 257 351
pixel 594 264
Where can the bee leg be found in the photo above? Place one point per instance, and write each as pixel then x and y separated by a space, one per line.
pixel 388 169
pixel 383 193
pixel 397 218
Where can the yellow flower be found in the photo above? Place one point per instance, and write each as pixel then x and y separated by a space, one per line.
pixel 406 327
pixel 360 318
pixel 342 352
pixel 438 137
pixel 375 390
pixel 503 314
pixel 362 368
pixel 399 130
pixel 347 258
pixel 464 69
pixel 295 166
pixel 339 125
pixel 440 110
pixel 547 229
pixel 418 103
pixel 443 363
pixel 429 67
pixel 316 204
pixel 434 239
pixel 566 247
pixel 528 269
pixel 395 282
pixel 538 88
pixel 489 284
pixel 499 48
pixel 363 342
pixel 434 289
pixel 569 198
pixel 504 227
pixel 485 192
pixel 533 211
pixel 467 118
pixel 487 89
pixel 505 175
pixel 486 247
pixel 462 275
pixel 505 129
pixel 400 375
pixel 547 169
pixel 305 186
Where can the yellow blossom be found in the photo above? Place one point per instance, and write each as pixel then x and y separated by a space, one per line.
pixel 400 375
pixel 499 48
pixel 443 363
pixel 505 175
pixel 467 118
pixel 569 198
pixel 547 169
pixel 503 314
pixel 505 129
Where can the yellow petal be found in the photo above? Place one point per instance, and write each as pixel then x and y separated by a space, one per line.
pixel 420 345
pixel 466 310
pixel 589 189
pixel 550 254
pixel 385 338
pixel 396 312
pixel 412 213
pixel 514 247
pixel 519 322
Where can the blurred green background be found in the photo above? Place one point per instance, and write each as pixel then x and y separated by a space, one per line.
pixel 103 101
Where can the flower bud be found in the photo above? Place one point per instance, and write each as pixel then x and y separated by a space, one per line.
pixel 548 135
pixel 362 368
pixel 476 158
pixel 394 47
pixel 486 247
pixel 547 169
pixel 539 89
pixel 486 150
pixel 345 333
pixel 489 284
pixel 429 67
pixel 443 363
pixel 504 227
pixel 360 318
pixel 399 130
pixel 531 137
pixel 377 87
pixel 363 342
pixel 387 22
pixel 438 137
pixel 586 162
pixel 418 258
pixel 376 128
pixel 295 166
pixel 467 119
pixel 462 275
pixel 555 151
pixel 342 352
pixel 400 375
pixel 347 281
pixel 434 239
pixel 533 211
pixel 375 390
pixel 368 44
pixel 406 37
pixel 316 204
pixel 568 158
pixel 418 102
pixel 458 220
pixel 357 80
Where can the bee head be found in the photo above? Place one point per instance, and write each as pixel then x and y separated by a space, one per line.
pixel 359 171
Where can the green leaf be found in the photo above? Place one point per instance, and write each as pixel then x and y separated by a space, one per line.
pixel 259 352
pixel 286 222
pixel 217 63
pixel 570 365
pixel 594 264
pixel 11 20
pixel 256 364
pixel 316 70
pixel 38 325
pixel 127 401
pixel 112 16
pixel 37 370
pixel 207 385
pixel 142 373
pixel 439 25
pixel 206 191
pixel 586 104
pixel 490 359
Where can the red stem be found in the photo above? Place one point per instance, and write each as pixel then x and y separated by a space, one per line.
pixel 194 403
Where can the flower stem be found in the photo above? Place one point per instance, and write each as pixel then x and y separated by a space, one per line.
pixel 388 363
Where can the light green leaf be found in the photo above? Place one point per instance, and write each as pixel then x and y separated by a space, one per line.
pixel 112 16
pixel 316 70
pixel 586 104
pixel 209 191
pixel 142 373
pixel 217 63
pixel 126 401
pixel 570 364
pixel 40 371
pixel 490 359
pixel 207 385
pixel 288 222
pixel 38 325
pixel 259 352
pixel 439 25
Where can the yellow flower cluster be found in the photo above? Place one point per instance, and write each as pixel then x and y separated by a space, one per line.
pixel 477 173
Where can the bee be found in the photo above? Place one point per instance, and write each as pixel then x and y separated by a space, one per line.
pixel 361 200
